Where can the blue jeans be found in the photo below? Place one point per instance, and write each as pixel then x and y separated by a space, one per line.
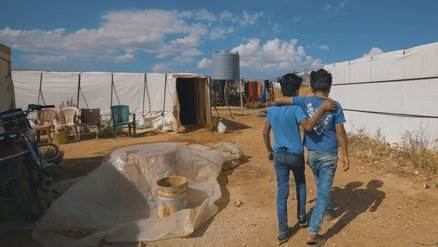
pixel 323 166
pixel 284 162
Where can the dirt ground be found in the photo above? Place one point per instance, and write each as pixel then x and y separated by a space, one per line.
pixel 372 206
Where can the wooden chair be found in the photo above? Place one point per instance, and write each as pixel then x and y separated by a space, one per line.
pixel 69 116
pixel 120 116
pixel 45 119
pixel 89 118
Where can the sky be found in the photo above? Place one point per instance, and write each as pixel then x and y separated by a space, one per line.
pixel 170 36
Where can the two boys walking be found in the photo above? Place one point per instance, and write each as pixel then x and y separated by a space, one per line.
pixel 322 120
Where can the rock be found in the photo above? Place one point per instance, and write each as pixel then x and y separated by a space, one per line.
pixel 426 186
pixel 238 203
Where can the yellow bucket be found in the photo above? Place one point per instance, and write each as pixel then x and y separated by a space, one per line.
pixel 171 195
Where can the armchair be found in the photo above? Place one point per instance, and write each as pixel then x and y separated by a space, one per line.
pixel 69 117
pixel 89 118
pixel 45 119
pixel 120 116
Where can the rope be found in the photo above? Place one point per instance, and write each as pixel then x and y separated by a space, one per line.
pixel 393 114
pixel 384 81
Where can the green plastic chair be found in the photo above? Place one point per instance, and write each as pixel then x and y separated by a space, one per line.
pixel 120 116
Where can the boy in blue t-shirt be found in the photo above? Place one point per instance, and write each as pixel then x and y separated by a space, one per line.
pixel 322 145
pixel 288 150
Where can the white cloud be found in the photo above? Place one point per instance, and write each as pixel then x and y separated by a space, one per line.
pixel 204 63
pixel 191 52
pixel 330 8
pixel 204 14
pixel 374 51
pixel 314 45
pixel 41 59
pixel 226 15
pixel 250 19
pixel 300 53
pixel 162 67
pixel 179 45
pixel 124 34
pixel 220 32
pixel 124 58
pixel 34 40
pixel 246 19
pixel 275 56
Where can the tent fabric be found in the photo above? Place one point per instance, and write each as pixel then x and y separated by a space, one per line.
pixel 7 95
pixel 394 93
pixel 152 95
pixel 58 87
pixel 117 202
pixel 95 91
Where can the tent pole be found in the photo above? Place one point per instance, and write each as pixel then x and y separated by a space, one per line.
pixel 241 102
pixel 164 101
pixel 112 87
pixel 212 87
pixel 226 100
pixel 241 86
pixel 79 90
pixel 39 90
pixel 144 91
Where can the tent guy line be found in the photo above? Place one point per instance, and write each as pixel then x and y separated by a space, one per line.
pixel 392 114
pixel 384 81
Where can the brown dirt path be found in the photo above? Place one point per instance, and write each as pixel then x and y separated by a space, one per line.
pixel 373 207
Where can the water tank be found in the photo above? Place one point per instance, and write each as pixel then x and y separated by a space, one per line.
pixel 226 66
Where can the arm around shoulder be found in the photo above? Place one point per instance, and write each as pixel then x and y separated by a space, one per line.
pixel 283 100
pixel 308 124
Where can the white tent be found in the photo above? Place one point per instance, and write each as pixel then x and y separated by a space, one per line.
pixel 172 99
pixel 393 92
pixel 7 97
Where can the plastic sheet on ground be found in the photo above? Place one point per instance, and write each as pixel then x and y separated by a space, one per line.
pixel 117 202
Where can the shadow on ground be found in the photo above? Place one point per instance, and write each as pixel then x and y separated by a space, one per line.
pixel 74 168
pixel 352 201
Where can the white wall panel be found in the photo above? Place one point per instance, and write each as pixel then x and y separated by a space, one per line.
pixel 387 66
pixel 407 85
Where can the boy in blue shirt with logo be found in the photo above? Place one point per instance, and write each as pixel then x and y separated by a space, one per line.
pixel 288 150
pixel 322 145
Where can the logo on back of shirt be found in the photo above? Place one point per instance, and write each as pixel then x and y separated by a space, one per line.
pixel 322 122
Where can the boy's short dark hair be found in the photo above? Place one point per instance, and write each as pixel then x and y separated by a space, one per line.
pixel 290 83
pixel 320 80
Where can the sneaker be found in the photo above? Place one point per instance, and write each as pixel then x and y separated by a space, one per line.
pixel 328 216
pixel 284 238
pixel 303 223
pixel 314 240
